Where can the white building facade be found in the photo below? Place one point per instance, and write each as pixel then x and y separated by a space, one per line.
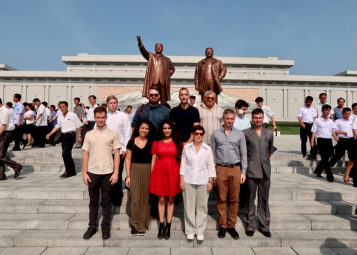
pixel 123 76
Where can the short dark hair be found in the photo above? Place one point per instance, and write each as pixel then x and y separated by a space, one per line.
pixel 346 109
pixel 0 101
pixel 9 104
pixel 154 89
pixel 52 106
pixel 340 99
pixel 192 97
pixel 44 103
pixel 309 98
pixel 241 103
pixel 63 102
pixel 36 100
pixel 77 98
pixel 100 109
pixel 198 127
pixel 183 88
pixel 94 97
pixel 259 99
pixel 18 96
pixel 325 107
pixel 25 104
pixel 322 94
pixel 103 104
pixel 257 111
pixel 353 105
pixel 129 106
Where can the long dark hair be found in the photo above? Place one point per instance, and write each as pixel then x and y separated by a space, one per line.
pixel 175 137
pixel 152 135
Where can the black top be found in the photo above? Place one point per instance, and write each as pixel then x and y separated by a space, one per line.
pixel 139 155
pixel 184 119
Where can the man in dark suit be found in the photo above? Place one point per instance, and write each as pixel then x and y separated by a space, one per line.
pixel 259 149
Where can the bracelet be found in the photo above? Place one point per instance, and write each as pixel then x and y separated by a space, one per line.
pixel 210 182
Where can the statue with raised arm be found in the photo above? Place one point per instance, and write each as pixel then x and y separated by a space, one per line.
pixel 209 72
pixel 158 71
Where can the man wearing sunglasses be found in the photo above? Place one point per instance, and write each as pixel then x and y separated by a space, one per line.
pixel 153 111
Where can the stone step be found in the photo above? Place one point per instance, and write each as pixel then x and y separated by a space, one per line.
pixel 42 206
pixel 120 222
pixel 303 163
pixel 43 160
pixel 48 152
pixel 30 168
pixel 304 170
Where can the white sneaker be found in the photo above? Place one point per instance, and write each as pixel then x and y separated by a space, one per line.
pixel 190 237
pixel 200 238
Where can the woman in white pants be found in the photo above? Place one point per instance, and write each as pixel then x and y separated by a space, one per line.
pixel 196 181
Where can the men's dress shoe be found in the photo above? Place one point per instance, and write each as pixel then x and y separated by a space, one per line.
pixel 222 232
pixel 17 173
pixel 133 231
pixel 312 157
pixel 331 180
pixel 105 233
pixel 66 175
pixel 89 233
pixel 15 149
pixel 267 234
pixel 249 233
pixel 41 146
pixel 53 143
pixel 233 232
pixel 354 184
pixel 319 175
pixel 304 155
pixel 190 237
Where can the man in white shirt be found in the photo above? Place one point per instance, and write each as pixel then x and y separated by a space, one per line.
pixel 120 123
pixel 130 113
pixel 69 125
pixel 306 116
pixel 346 142
pixel 318 107
pixel 324 129
pixel 6 134
pixel 41 124
pixel 268 114
pixel 90 115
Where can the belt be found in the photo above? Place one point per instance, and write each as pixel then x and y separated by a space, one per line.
pixel 70 132
pixel 306 123
pixel 229 165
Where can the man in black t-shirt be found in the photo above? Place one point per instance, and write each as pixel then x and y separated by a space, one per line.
pixel 185 116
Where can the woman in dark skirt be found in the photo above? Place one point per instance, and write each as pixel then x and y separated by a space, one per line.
pixel 28 119
pixel 138 171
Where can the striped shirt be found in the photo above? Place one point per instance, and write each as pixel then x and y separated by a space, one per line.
pixel 210 120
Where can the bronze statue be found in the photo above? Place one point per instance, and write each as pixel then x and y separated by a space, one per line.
pixel 158 71
pixel 209 72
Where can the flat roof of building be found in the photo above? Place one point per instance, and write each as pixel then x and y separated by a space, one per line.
pixel 347 73
pixel 4 67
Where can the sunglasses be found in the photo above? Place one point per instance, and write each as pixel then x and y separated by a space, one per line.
pixel 210 98
pixel 154 95
pixel 199 134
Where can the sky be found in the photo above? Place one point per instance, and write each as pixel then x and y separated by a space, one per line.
pixel 319 35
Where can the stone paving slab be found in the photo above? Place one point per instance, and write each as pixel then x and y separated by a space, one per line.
pixel 7 237
pixel 49 193
pixel 333 222
pixel 233 251
pixel 111 251
pixel 65 251
pixel 16 206
pixel 318 238
pixel 322 195
pixel 196 251
pixel 273 251
pixel 23 251
pixel 314 251
pixel 345 251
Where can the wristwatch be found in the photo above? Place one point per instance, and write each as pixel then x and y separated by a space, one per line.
pixel 210 182
pixel 79 136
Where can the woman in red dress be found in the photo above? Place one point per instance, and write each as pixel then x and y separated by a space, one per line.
pixel 165 173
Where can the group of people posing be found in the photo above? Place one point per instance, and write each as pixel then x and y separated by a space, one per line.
pixel 188 150
pixel 325 124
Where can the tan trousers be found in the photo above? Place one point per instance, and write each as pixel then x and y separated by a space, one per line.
pixel 228 179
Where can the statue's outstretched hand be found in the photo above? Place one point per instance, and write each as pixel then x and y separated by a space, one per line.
pixel 139 40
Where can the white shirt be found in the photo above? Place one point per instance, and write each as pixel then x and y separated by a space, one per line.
pixel 131 116
pixel 120 123
pixel 194 105
pixel 43 120
pixel 267 114
pixel 68 123
pixel 344 126
pixel 323 129
pixel 90 114
pixel 48 113
pixel 28 113
pixel 354 126
pixel 85 114
pixel 307 114
pixel 197 167
pixel 318 110
pixel 6 118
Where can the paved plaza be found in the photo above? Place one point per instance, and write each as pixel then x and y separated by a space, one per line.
pixel 43 214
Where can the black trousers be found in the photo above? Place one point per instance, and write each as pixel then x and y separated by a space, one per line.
pixel 304 134
pixel 90 126
pixel 117 192
pixel 325 147
pixel 99 186
pixel 342 145
pixel 263 211
pixel 67 140
pixel 40 135
pixel 5 139
pixel 17 136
